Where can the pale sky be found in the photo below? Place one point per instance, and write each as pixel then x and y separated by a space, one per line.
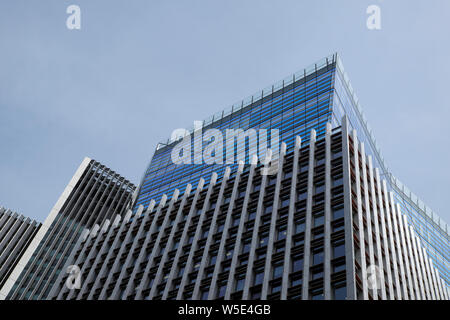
pixel 139 69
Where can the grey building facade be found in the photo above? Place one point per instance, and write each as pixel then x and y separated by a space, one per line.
pixel 324 227
pixel 94 195
pixel 16 233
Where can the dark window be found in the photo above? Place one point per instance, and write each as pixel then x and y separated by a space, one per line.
pixel 297 263
pixel 339 266
pixel 318 219
pixel 340 293
pixel 337 181
pixel 240 284
pixel 317 256
pixel 338 249
pixel 276 287
pixel 319 188
pixel 246 246
pixel 221 290
pixel 300 226
pixel 277 270
pixel 281 233
pixel 302 196
pixel 263 238
pixel 338 212
pixel 284 202
pixel 259 276
pixel 204 295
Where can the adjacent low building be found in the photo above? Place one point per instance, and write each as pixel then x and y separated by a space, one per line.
pixel 93 196
pixel 16 233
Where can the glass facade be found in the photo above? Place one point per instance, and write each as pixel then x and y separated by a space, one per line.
pixel 306 100
pixel 294 106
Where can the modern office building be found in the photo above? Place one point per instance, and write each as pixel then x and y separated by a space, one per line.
pixel 16 233
pixel 330 224
pixel 323 227
pixel 94 195
pixel 306 100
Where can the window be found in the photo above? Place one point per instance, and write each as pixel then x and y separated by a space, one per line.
pixel 317 234
pixel 276 287
pixel 319 187
pixel 268 209
pixel 272 181
pixel 277 270
pixel 300 226
pixel 316 295
pixel 246 245
pixel 181 271
pixel 282 232
pixel 284 202
pixel 338 266
pixel 213 259
pixel 337 181
pixel 259 276
pixel 339 292
pixel 226 267
pixel 287 175
pixel 229 252
pixel 221 290
pixel 316 274
pixel 236 221
pixel 336 154
pixel 338 249
pixel 299 241
pixel 297 280
pixel 320 161
pixel 317 256
pixel 256 295
pixel 263 238
pixel 239 284
pixel 251 214
pixel 204 295
pixel 302 196
pixel 227 200
pixel 338 212
pixel 304 167
pixel 338 227
pixel 260 255
pixel 297 263
pixel 197 264
pixel 318 219
pixel 220 226
pixel 243 261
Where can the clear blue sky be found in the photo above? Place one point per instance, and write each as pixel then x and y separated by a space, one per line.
pixel 139 69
